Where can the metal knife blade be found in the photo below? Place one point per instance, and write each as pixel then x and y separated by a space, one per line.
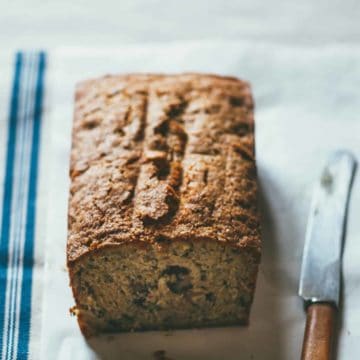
pixel 321 264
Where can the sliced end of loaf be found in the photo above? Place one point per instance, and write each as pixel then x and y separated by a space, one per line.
pixel 164 285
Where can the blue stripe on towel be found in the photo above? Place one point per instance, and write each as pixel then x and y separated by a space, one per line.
pixel 8 190
pixel 26 285
pixel 19 205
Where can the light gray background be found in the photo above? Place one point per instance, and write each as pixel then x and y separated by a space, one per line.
pixel 52 23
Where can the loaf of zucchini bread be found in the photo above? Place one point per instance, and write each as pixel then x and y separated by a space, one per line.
pixel 163 223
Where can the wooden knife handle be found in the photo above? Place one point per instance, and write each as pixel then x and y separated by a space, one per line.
pixel 319 330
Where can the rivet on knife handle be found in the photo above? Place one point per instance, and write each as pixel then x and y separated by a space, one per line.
pixel 321 265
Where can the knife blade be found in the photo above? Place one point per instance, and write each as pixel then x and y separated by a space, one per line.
pixel 321 265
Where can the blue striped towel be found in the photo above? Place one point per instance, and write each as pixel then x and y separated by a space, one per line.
pixel 18 202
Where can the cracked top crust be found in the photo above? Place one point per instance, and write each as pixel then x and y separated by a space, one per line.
pixel 162 157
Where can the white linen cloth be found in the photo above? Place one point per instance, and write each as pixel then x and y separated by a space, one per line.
pixel 307 105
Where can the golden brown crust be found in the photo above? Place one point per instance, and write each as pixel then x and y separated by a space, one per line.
pixel 162 156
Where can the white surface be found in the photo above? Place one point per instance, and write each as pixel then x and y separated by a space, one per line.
pixel 39 23
pixel 307 104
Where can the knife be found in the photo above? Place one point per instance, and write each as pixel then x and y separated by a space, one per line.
pixel 321 264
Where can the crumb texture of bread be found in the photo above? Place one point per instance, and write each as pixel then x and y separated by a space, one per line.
pixel 163 222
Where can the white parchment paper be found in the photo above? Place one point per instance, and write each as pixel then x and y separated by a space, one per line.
pixel 307 105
